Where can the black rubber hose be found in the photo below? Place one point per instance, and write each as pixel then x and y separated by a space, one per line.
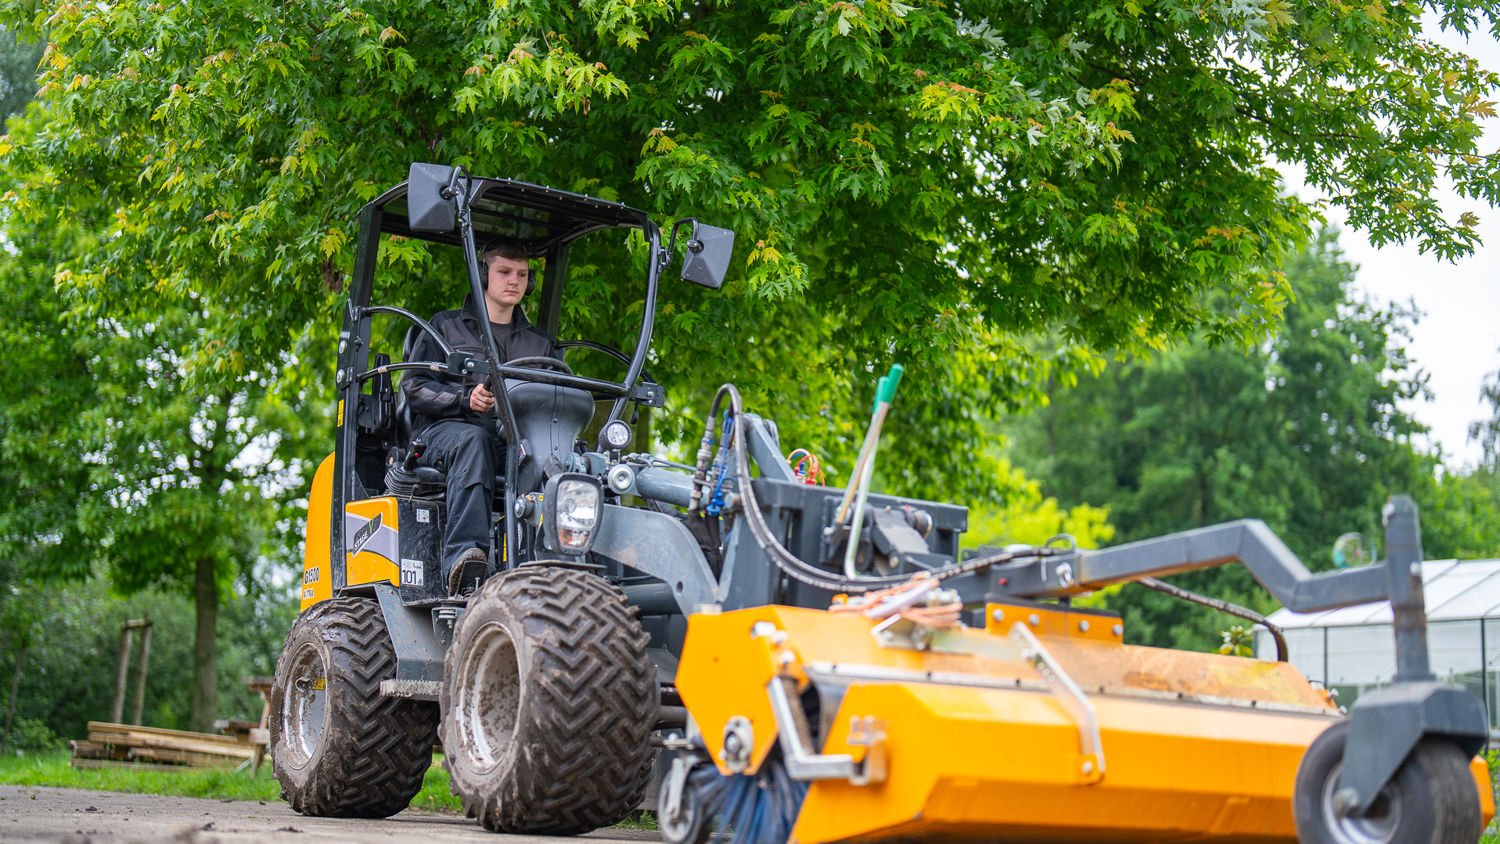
pixel 788 562
pixel 1222 606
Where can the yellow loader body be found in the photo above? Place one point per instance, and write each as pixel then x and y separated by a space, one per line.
pixel 372 525
pixel 982 739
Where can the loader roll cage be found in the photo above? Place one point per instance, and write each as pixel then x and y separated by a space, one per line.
pixel 445 205
pixel 547 222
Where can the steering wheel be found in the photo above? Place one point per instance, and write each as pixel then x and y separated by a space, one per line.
pixel 541 362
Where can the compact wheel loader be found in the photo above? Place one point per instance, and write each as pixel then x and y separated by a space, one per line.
pixel 776 660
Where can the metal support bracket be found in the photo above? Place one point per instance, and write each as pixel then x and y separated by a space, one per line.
pixel 674 783
pixel 1090 744
pixel 804 763
pixel 1387 723
pixel 419 657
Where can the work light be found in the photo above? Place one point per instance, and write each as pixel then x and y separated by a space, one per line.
pixel 615 435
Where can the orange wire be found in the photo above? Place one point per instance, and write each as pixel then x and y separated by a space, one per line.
pixel 805 466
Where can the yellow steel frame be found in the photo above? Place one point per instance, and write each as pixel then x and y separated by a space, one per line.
pixel 981 744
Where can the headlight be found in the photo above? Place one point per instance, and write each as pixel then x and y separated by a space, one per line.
pixel 614 436
pixel 572 502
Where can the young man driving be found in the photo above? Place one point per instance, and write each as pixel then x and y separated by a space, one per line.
pixel 457 420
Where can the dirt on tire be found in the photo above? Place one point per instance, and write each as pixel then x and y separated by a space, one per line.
pixel 548 702
pixel 343 750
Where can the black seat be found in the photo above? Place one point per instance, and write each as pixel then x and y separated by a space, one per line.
pixel 416 481
pixel 403 411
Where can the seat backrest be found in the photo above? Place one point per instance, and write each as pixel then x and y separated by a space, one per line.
pixel 410 343
pixel 403 410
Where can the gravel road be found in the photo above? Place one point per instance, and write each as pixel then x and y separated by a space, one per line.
pixel 86 817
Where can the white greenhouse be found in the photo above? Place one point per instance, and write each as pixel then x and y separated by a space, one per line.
pixel 1353 649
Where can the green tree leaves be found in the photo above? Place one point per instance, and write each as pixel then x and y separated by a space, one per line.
pixel 1306 433
pixel 994 197
pixel 1095 172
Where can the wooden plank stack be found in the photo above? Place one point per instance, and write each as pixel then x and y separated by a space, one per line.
pixel 124 744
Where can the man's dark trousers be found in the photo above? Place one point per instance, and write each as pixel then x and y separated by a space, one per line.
pixel 469 454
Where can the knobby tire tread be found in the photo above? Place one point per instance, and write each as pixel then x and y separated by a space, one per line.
pixel 589 705
pixel 375 749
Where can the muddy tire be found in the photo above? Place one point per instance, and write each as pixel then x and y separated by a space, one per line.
pixel 1432 799
pixel 548 703
pixel 338 748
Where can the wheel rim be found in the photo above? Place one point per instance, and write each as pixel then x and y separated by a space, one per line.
pixel 304 711
pixel 488 698
pixel 1377 826
pixel 680 829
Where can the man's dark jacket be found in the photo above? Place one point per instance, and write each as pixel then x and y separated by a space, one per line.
pixel 433 397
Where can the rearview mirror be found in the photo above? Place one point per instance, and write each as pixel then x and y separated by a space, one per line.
pixel 427 209
pixel 707 258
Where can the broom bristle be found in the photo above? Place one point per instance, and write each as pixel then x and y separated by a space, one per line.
pixel 759 809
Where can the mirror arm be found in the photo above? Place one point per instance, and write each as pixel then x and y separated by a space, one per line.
pixel 451 191
pixel 648 319
pixel 671 251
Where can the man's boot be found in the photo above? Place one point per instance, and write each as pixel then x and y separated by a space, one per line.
pixel 468 572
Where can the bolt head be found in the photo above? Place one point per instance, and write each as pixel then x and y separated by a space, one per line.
pixel 1083 626
pixel 1119 630
pixel 1344 801
pixel 998 615
pixel 1035 620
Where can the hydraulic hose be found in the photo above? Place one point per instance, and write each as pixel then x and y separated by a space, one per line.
pixel 1222 606
pixel 789 563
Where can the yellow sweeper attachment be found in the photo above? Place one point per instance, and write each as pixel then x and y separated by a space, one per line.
pixel 1042 726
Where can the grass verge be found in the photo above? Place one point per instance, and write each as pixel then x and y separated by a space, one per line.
pixel 52 769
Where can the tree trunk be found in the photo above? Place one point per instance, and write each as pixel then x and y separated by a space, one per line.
pixel 122 673
pixel 140 674
pixel 205 703
pixel 10 706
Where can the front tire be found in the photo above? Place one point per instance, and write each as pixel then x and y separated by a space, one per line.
pixel 548 702
pixel 1430 800
pixel 338 748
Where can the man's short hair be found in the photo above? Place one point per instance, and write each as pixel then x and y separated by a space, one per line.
pixel 504 247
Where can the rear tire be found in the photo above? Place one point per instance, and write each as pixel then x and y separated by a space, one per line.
pixel 338 748
pixel 1431 799
pixel 548 703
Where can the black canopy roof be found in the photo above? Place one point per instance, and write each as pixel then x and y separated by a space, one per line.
pixel 539 217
